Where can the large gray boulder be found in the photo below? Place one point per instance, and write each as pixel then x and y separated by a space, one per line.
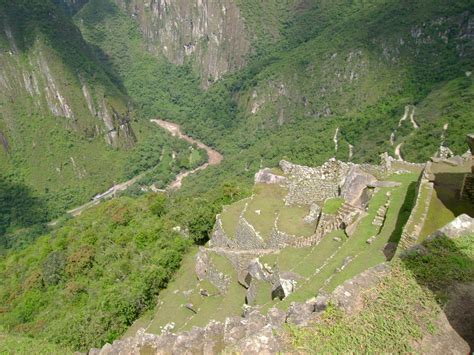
pixel 354 185
pixel 462 225
pixel 265 176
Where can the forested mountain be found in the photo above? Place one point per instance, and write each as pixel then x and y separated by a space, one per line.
pixel 258 81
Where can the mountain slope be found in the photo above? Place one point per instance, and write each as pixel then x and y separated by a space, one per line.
pixel 59 109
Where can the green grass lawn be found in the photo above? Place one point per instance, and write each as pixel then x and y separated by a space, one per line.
pixel 268 200
pixel 186 288
pixel 332 205
pixel 230 217
pixel 268 204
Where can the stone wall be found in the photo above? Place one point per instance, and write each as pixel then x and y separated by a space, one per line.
pixel 219 238
pixel 308 185
pixel 253 333
pixel 412 229
pixel 246 237
pixel 206 270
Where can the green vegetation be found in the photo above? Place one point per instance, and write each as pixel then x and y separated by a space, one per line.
pixel 332 205
pixel 93 277
pixel 14 344
pixel 316 67
pixel 322 265
pixel 402 304
pixel 55 163
pixel 87 281
pixel 185 289
pixel 397 306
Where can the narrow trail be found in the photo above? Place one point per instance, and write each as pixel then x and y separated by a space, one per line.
pixel 398 154
pixel 408 115
pixel 214 158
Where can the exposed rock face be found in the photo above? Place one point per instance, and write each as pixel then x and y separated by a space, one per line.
pixel 463 225
pixel 265 176
pixel 253 333
pixel 40 76
pixel 355 184
pixel 209 33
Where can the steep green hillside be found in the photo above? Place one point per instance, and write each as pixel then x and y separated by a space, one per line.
pixel 86 282
pixel 316 66
pixel 66 128
pixel 65 124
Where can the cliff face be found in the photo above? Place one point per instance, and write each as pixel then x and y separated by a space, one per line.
pixel 209 34
pixel 59 112
pixel 34 70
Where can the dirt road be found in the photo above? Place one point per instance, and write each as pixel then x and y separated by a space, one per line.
pixel 214 158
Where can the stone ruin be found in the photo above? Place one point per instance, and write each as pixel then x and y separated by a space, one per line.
pixel 307 186
pixel 254 332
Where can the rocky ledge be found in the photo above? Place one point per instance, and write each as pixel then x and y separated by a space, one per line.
pixel 253 332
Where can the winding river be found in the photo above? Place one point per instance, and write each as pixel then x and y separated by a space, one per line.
pixel 214 158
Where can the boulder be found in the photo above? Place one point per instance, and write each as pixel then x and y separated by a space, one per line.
pixel 265 176
pixel 461 226
pixel 355 183
pixel 314 213
pixel 234 330
pixel 276 317
pixel 300 313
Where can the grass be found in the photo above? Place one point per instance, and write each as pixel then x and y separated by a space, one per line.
pixel 291 221
pixel 170 301
pixel 268 200
pixel 268 204
pixel 438 216
pixel 332 205
pixel 230 217
pixel 398 311
pixel 395 314
pixel 330 257
pixel 14 344
pixel 185 289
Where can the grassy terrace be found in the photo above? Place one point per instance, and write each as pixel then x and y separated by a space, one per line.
pixel 319 265
pixel 332 205
pixel 268 204
pixel 445 204
pixel 401 305
pixel 316 265
pixel 185 289
pixel 230 217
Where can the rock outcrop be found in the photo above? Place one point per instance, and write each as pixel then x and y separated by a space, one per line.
pixel 209 34
pixel 253 332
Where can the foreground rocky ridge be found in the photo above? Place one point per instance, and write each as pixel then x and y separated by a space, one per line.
pixel 261 325
pixel 254 332
pixel 251 333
